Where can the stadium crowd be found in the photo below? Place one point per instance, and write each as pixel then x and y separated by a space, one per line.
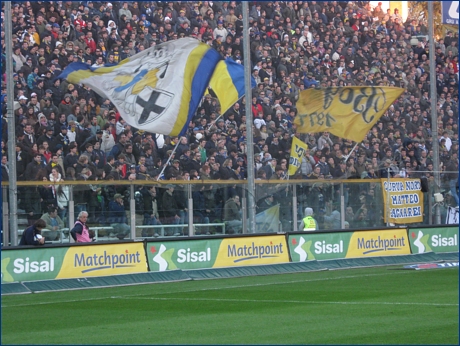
pixel 69 132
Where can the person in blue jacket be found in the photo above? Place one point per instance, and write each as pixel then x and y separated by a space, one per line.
pixel 32 235
pixel 117 217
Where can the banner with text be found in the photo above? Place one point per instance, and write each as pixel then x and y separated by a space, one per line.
pixel 436 239
pixel 452 216
pixel 248 251
pixel 348 112
pixel 405 200
pixel 102 260
pixel 320 246
pixel 325 246
pixel 191 254
pixel 200 254
pixel 449 12
pixel 386 242
pixel 72 262
pixel 298 149
pixel 31 264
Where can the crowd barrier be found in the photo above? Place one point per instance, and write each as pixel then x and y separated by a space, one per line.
pixel 359 203
pixel 83 261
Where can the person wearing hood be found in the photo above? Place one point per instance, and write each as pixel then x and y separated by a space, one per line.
pixel 332 217
pixel 66 105
pixel 112 26
pixel 308 223
pixel 42 123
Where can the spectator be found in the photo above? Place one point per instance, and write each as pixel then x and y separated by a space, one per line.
pixel 293 47
pixel 32 234
pixel 200 212
pixel 232 215
pixel 150 210
pixel 332 217
pixel 117 217
pixel 54 224
pixel 171 210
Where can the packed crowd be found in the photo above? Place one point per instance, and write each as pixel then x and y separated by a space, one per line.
pixel 69 132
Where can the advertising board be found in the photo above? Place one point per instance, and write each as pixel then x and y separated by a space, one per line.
pixel 72 262
pixel 436 239
pixel 215 253
pixel 325 246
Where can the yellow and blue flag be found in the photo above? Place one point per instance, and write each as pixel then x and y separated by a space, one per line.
pixel 298 149
pixel 227 82
pixel 347 112
pixel 158 90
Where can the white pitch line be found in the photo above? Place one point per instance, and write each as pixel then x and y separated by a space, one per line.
pixel 208 288
pixel 285 301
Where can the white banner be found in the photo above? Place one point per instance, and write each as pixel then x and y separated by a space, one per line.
pixel 452 216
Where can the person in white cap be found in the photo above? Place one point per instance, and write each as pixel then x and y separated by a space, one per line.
pixel 308 222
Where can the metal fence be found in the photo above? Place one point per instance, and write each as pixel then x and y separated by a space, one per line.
pixel 194 208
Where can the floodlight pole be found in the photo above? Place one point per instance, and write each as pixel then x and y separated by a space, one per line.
pixel 434 118
pixel 249 121
pixel 13 190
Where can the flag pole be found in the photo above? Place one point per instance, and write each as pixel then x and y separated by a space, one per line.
pixel 214 122
pixel 351 152
pixel 169 158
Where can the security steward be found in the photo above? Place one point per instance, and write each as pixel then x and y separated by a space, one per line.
pixel 308 222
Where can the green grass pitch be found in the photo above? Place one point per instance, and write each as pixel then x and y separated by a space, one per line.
pixel 354 306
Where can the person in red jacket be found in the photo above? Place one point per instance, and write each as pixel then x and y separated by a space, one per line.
pixel 256 107
pixel 90 42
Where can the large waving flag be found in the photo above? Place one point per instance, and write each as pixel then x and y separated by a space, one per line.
pixel 347 112
pixel 158 90
pixel 298 149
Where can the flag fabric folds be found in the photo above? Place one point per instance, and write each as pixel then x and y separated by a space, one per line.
pixel 298 149
pixel 158 90
pixel 347 112
pixel 268 220
pixel 227 82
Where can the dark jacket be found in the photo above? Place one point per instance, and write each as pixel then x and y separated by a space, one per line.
pixel 117 213
pixel 169 205
pixel 32 201
pixel 28 236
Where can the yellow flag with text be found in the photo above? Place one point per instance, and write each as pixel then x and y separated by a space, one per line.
pixel 347 112
pixel 297 153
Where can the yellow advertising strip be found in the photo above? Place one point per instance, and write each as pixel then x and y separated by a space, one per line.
pixel 405 204
pixel 252 251
pixel 102 260
pixel 379 243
